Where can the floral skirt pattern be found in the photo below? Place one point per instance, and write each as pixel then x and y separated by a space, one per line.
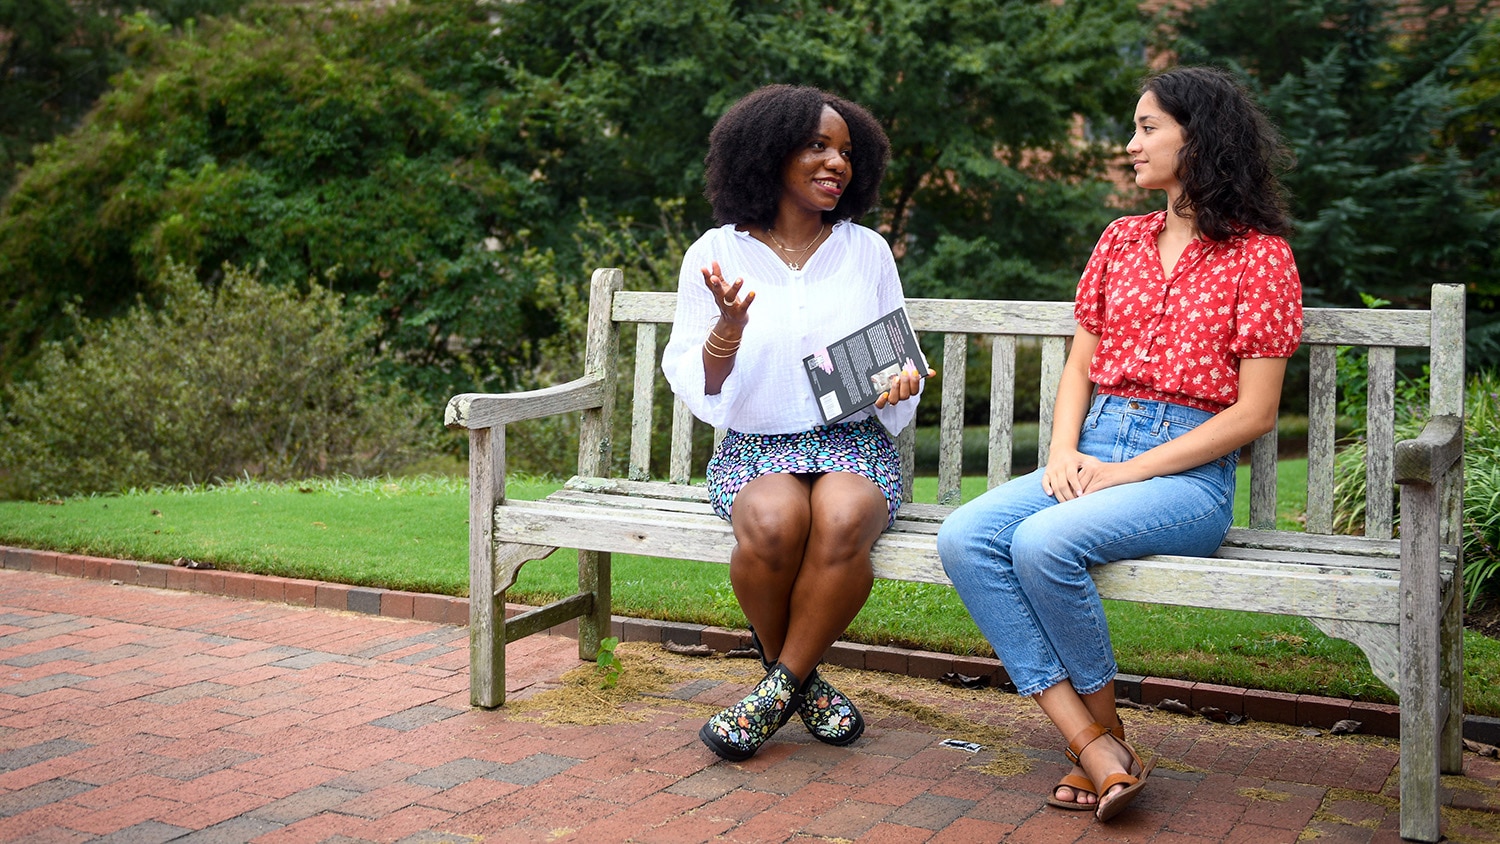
pixel 862 448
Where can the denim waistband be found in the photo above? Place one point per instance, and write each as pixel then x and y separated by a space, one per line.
pixel 1155 411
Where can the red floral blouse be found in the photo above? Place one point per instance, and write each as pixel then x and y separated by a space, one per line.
pixel 1180 339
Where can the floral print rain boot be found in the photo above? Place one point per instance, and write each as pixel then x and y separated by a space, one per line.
pixel 737 732
pixel 831 717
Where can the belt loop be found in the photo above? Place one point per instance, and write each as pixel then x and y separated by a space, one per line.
pixel 1158 417
pixel 1096 408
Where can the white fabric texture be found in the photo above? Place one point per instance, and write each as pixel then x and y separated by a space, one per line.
pixel 848 283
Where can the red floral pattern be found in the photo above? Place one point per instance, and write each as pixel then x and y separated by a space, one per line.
pixel 1180 339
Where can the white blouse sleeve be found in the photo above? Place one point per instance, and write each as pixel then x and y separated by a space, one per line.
pixel 682 361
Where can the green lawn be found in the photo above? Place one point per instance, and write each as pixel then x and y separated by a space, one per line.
pixel 411 533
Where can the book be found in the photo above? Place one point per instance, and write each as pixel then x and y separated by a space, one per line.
pixel 849 374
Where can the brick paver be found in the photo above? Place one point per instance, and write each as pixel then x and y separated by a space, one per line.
pixel 130 713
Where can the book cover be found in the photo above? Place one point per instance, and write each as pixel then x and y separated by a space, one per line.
pixel 849 374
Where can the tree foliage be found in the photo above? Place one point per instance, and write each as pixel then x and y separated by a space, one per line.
pixel 439 154
pixel 56 57
pixel 280 142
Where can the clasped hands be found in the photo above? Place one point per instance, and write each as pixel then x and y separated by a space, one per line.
pixel 1071 474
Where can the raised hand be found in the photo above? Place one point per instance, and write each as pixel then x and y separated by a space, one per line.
pixel 733 310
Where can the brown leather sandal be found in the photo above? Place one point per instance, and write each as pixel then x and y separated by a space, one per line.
pixel 1133 783
pixel 1081 784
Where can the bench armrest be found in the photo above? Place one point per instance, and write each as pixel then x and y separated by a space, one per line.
pixel 486 410
pixel 1426 459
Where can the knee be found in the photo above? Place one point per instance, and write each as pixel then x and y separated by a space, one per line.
pixel 847 531
pixel 957 540
pixel 775 536
pixel 1041 554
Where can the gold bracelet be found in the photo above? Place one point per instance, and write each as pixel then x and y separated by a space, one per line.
pixel 708 350
pixel 721 345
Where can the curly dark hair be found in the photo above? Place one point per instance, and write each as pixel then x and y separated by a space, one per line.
pixel 749 145
pixel 1231 156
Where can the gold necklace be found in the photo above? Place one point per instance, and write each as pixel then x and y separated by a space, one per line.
pixel 795 265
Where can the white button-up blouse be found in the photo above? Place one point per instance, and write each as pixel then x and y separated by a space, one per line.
pixel 848 283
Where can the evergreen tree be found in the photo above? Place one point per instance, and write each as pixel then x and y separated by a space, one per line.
pixel 1391 111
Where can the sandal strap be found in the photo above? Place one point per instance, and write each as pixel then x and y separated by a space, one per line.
pixel 1085 737
pixel 1116 779
pixel 1075 782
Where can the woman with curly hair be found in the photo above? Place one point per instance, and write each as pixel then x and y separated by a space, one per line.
pixel 789 171
pixel 1186 317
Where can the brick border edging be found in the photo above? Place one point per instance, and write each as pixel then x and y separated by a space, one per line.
pixel 1276 707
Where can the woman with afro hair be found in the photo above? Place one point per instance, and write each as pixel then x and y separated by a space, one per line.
pixel 789 172
pixel 1186 317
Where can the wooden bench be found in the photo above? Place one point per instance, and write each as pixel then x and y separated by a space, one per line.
pixel 1398 600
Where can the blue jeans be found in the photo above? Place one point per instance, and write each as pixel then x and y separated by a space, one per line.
pixel 1020 559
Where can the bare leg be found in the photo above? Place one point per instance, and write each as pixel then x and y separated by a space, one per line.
pixel 802 575
pixel 1101 707
pixel 772 518
pixel 849 514
pixel 1070 713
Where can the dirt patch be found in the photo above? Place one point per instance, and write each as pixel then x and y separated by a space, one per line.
pixel 1485 618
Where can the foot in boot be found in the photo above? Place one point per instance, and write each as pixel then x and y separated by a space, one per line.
pixel 829 715
pixel 737 732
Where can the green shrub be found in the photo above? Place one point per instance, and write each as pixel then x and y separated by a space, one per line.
pixel 234 379
pixel 1481 538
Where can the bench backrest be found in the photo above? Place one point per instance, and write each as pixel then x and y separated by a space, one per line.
pixel 1006 325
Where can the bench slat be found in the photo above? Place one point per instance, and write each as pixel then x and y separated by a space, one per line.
pixel 1380 438
pixel 1331 585
pixel 1002 409
pixel 681 467
pixel 641 411
pixel 1343 326
pixel 951 425
pixel 1054 355
pixel 1321 403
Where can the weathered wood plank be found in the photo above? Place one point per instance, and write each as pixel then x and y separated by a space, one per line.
pixel 1297 583
pixel 551 615
pixel 486 611
pixel 680 462
pixel 1054 355
pixel 975 316
pixel 1322 398
pixel 1002 410
pixel 486 410
pixel 1421 646
pixel 906 448
pixel 1263 481
pixel 601 357
pixel 643 405
pixel 1341 326
pixel 1380 441
pixel 951 424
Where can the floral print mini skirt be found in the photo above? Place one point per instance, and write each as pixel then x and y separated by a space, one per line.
pixel 862 448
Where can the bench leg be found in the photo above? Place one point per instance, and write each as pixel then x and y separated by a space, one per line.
pixel 486 601
pixel 1422 695
pixel 594 579
pixel 1451 731
pixel 486 649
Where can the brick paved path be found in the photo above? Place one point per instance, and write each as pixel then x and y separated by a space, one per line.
pixel 134 714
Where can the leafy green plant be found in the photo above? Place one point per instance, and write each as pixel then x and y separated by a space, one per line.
pixel 1481 536
pixel 244 379
pixel 609 664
